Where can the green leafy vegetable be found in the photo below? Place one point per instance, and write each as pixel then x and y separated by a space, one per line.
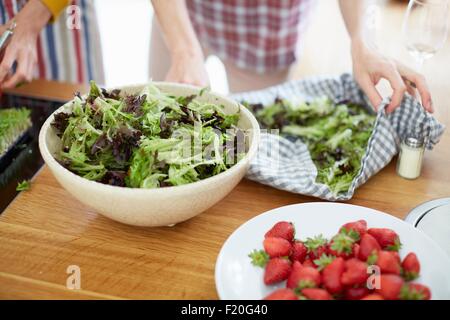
pixel 336 135
pixel 13 122
pixel 146 140
pixel 23 186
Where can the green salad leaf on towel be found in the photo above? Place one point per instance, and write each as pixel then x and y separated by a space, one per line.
pixel 146 140
pixel 336 134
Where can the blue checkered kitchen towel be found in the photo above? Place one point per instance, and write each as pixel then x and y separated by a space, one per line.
pixel 287 165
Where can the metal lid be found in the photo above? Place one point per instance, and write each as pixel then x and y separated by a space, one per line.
pixel 433 218
pixel 414 142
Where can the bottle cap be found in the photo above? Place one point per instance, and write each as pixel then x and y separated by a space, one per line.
pixel 414 142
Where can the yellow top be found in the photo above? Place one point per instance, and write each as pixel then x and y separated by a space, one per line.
pixel 55 7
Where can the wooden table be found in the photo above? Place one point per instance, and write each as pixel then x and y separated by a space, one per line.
pixel 45 230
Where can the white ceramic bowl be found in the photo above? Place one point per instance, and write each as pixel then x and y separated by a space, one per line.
pixel 153 207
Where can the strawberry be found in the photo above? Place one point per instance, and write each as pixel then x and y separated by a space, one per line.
pixel 303 277
pixel 356 293
pixel 356 248
pixel 390 286
pixel 316 246
pixel 415 291
pixel 373 296
pixel 396 256
pixel 387 238
pixel 282 294
pixel 388 262
pixel 282 229
pixel 299 251
pixel 360 227
pixel 323 261
pixel 331 275
pixel 368 246
pixel 411 267
pixel 296 265
pixel 277 270
pixel 341 245
pixel 309 263
pixel 277 247
pixel 355 273
pixel 316 294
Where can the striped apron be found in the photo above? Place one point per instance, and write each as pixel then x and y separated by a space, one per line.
pixel 65 54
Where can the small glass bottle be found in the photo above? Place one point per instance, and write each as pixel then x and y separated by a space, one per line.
pixel 409 163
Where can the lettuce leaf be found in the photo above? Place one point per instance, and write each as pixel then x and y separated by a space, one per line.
pixel 145 140
pixel 336 135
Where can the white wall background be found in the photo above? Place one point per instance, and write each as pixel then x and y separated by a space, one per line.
pixel 125 38
pixel 125 28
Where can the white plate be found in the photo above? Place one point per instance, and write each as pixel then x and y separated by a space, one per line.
pixel 236 278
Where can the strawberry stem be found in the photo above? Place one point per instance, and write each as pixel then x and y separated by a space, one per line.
pixel 342 243
pixel 259 258
pixel 323 261
pixel 372 258
pixel 312 244
pixel 394 247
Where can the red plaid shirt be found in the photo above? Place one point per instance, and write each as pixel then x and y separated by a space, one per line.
pixel 261 35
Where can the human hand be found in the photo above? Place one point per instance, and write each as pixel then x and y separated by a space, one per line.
pixel 22 45
pixel 369 67
pixel 189 69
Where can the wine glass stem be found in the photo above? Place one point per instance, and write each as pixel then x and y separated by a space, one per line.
pixel 420 61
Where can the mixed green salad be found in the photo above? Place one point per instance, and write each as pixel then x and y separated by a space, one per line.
pixel 147 140
pixel 336 134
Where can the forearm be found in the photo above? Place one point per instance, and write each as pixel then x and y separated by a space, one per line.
pixel 34 16
pixel 353 15
pixel 176 26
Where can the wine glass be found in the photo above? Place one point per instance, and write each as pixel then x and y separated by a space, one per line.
pixel 425 28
